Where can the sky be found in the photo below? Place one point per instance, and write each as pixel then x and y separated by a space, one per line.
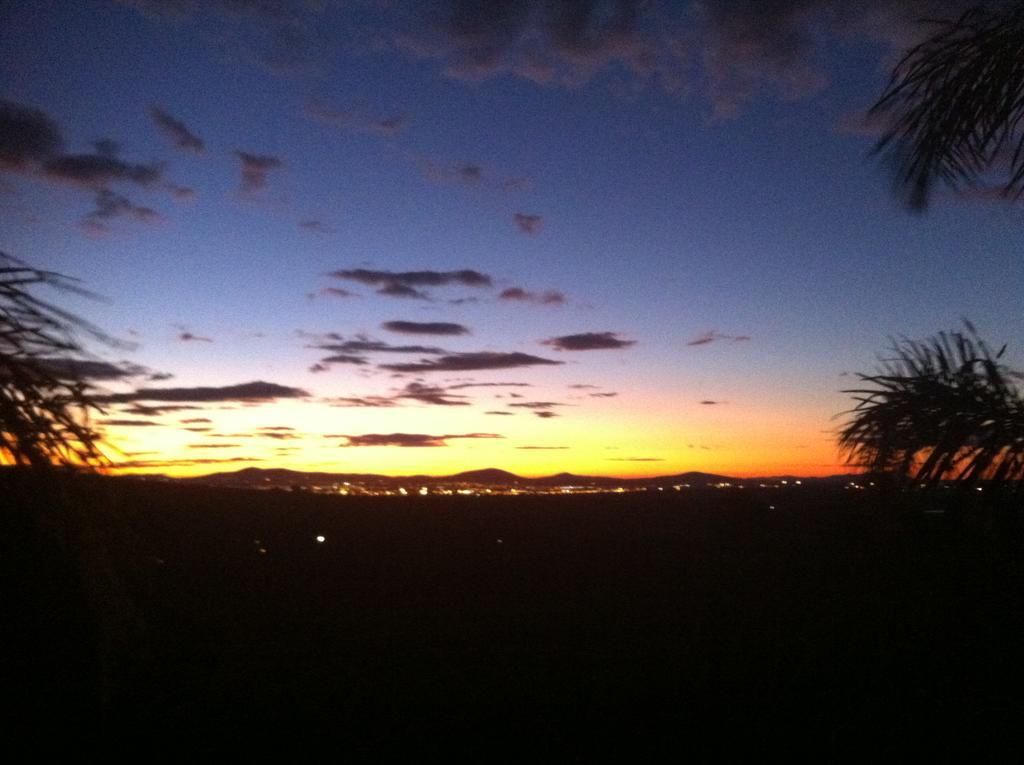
pixel 605 237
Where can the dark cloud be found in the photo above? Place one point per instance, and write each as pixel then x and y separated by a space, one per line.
pixel 131 423
pixel 460 386
pixel 528 224
pixel 545 415
pixel 188 337
pixel 402 291
pixel 430 394
pixel 28 136
pixel 503 414
pixel 709 402
pixel 255 168
pixel 410 439
pixel 713 336
pixel 316 226
pixel 87 369
pixel 588 341
pixel 151 411
pixel 609 394
pixel 175 131
pixel 404 284
pixel 110 205
pixel 195 420
pixel 251 391
pixel 468 362
pixel 214 446
pixel 344 358
pixel 359 118
pixel 97 171
pixel 363 344
pixel 318 367
pixel 548 297
pixel 583 386
pixel 425 328
pixel 536 404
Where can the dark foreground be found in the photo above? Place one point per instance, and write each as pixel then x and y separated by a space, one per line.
pixel 702 625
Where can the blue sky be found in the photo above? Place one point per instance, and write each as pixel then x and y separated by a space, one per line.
pixel 684 170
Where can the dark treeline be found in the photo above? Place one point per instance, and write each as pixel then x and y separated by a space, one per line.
pixel 704 623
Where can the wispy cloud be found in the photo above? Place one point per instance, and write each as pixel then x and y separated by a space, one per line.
pixel 528 224
pixel 470 362
pixel 713 336
pixel 410 439
pixel 255 168
pixel 176 132
pixel 359 118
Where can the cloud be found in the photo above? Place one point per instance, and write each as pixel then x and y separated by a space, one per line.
pixel 337 292
pixel 359 118
pixel 140 464
pixel 581 386
pixel 363 344
pixel 131 423
pixel 175 131
pixel 257 390
pixel 528 224
pixel 545 415
pixel 709 402
pixel 255 168
pixel 151 411
pixel 468 362
pixel 460 386
pixel 214 446
pixel 713 336
pixel 536 404
pixel 315 226
pixel 404 284
pixel 608 394
pixel 370 402
pixel 110 205
pixel 548 297
pixel 409 439
pixel 195 420
pixel 98 170
pixel 318 367
pixel 28 136
pixel 502 414
pixel 87 369
pixel 188 337
pixel 430 394
pixel 425 328
pixel 588 341
pixel 182 193
pixel 344 358
pixel 542 448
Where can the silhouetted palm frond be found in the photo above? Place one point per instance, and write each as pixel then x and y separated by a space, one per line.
pixel 955 105
pixel 943 409
pixel 44 417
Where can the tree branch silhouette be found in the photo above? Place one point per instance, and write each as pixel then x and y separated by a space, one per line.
pixel 44 413
pixel 955 104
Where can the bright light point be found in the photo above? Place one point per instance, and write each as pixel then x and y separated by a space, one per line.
pixel 321 538
pixel 771 507
pixel 501 541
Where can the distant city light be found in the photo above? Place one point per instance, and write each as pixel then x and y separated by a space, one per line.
pixel 321 538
